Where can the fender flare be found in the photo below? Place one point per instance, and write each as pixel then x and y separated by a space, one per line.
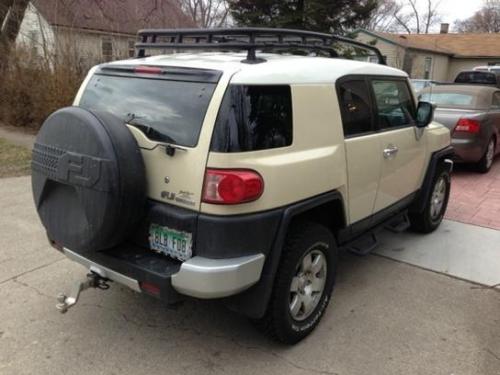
pixel 253 302
pixel 425 190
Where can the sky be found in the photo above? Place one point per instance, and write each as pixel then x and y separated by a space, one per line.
pixel 458 9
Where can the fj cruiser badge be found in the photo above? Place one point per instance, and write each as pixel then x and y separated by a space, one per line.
pixel 182 197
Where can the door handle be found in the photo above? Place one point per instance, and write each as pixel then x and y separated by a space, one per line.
pixel 390 151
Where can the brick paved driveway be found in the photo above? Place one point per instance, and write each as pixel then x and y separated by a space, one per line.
pixel 475 197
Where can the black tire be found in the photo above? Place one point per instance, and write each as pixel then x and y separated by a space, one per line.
pixel 426 221
pixel 484 165
pixel 303 239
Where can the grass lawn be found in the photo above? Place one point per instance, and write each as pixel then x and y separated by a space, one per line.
pixel 14 160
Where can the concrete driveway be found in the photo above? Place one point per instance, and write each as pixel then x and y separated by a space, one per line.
pixel 386 318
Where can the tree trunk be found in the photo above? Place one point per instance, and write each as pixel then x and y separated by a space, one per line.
pixel 9 32
pixel 4 9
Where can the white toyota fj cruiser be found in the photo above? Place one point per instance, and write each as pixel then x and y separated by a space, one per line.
pixel 237 176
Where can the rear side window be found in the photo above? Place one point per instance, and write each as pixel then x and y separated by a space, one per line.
pixel 355 106
pixel 477 77
pixel 395 106
pixel 166 111
pixel 253 118
pixel 453 99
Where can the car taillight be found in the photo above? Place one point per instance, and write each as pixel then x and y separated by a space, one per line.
pixel 467 126
pixel 148 70
pixel 232 186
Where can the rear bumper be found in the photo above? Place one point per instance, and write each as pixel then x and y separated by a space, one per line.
pixel 197 277
pixel 467 150
pixel 216 278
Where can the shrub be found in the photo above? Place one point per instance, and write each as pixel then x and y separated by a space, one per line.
pixel 33 87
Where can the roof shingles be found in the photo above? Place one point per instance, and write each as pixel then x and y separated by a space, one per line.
pixel 458 45
pixel 119 16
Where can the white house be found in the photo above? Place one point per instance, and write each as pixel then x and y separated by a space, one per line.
pixel 95 30
pixel 434 56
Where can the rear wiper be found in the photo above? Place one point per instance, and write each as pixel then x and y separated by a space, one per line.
pixel 149 131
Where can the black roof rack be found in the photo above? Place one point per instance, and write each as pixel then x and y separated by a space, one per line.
pixel 249 39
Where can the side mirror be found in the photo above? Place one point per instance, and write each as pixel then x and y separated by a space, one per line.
pixel 425 114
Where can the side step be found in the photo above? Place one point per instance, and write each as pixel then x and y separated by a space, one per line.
pixel 363 245
pixel 367 242
pixel 398 224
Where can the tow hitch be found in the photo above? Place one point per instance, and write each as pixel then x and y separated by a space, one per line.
pixel 93 280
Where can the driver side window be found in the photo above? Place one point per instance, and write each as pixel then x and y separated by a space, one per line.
pixel 395 107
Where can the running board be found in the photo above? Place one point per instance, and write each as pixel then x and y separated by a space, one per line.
pixel 398 224
pixel 363 245
pixel 367 242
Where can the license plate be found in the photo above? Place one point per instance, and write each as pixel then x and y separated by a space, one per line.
pixel 170 242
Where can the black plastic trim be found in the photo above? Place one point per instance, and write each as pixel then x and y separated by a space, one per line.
pixel 360 227
pixel 425 191
pixel 141 265
pixel 253 302
pixel 219 237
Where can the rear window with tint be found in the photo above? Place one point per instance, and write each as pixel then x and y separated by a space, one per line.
pixel 477 77
pixel 448 99
pixel 166 111
pixel 253 118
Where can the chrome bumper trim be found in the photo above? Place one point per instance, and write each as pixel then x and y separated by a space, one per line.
pixel 103 271
pixel 216 278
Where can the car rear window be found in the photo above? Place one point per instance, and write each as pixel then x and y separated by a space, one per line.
pixel 448 99
pixel 166 111
pixel 253 118
pixel 477 77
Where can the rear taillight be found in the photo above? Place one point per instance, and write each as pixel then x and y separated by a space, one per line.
pixel 467 125
pixel 232 186
pixel 147 70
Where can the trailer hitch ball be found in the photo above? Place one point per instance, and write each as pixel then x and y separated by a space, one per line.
pixel 93 280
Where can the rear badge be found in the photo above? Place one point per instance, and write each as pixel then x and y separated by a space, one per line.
pixel 182 197
pixel 171 242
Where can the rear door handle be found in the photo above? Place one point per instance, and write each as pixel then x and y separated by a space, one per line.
pixel 390 151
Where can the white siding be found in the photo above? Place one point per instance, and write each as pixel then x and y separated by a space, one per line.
pixel 35 33
pixel 439 65
pixel 89 44
pixel 44 40
pixel 393 53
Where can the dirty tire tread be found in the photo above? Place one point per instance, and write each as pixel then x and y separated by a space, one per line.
pixel 295 245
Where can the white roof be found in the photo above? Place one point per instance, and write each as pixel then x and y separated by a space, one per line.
pixel 278 69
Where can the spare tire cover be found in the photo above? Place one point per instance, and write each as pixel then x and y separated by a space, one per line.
pixel 88 179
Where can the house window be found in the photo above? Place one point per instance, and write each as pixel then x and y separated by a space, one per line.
pixel 107 49
pixel 131 47
pixel 427 67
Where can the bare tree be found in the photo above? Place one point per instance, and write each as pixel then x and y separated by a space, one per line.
pixel 413 19
pixel 382 18
pixel 4 10
pixel 410 16
pixel 485 20
pixel 207 13
pixel 11 17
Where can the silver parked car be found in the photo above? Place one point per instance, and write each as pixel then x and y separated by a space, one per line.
pixel 472 113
